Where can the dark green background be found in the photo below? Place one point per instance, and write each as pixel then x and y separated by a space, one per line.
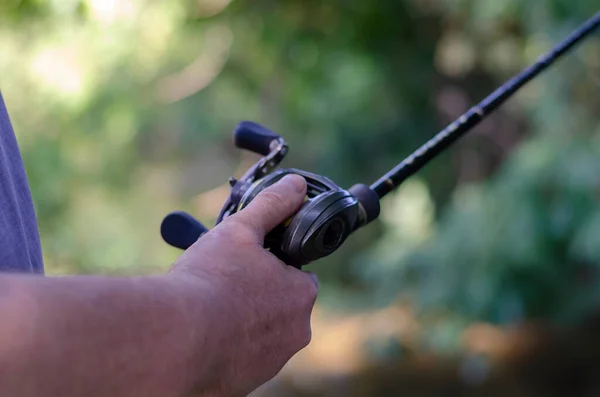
pixel 124 111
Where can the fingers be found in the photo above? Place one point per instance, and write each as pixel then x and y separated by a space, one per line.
pixel 307 285
pixel 307 291
pixel 273 205
pixel 314 279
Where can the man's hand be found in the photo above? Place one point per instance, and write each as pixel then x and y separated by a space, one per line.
pixel 225 319
pixel 261 307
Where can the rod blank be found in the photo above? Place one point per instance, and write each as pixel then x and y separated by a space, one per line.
pixel 473 116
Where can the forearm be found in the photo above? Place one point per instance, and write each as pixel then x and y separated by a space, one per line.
pixel 95 336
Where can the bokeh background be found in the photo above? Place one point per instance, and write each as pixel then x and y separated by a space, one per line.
pixel 481 276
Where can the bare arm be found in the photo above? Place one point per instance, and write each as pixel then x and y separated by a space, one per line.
pixel 226 319
pixel 94 336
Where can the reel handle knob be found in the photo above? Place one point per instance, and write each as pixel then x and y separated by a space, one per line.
pixel 180 230
pixel 254 137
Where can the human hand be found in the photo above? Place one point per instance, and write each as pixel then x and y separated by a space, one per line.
pixel 260 308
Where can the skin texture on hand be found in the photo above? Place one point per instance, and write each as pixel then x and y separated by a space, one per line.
pixel 226 319
pixel 264 306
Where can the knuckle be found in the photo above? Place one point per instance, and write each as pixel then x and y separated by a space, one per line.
pixel 241 228
pixel 305 337
pixel 310 289
pixel 312 295
pixel 305 286
pixel 272 198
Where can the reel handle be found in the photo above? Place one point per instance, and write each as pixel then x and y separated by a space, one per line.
pixel 254 137
pixel 179 229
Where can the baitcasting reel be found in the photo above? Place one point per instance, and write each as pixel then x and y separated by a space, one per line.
pixel 327 217
pixel 330 214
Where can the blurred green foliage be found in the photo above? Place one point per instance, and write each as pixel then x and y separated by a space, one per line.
pixel 124 112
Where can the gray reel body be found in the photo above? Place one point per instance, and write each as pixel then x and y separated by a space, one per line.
pixel 321 225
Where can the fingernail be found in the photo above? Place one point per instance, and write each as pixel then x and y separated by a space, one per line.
pixel 296 181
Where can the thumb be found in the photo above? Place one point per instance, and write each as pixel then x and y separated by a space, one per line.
pixel 274 205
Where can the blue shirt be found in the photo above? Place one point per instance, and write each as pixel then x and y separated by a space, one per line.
pixel 20 249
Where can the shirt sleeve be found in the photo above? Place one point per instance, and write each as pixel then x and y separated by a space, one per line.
pixel 20 248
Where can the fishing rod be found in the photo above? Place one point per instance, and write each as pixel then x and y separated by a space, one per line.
pixel 330 213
